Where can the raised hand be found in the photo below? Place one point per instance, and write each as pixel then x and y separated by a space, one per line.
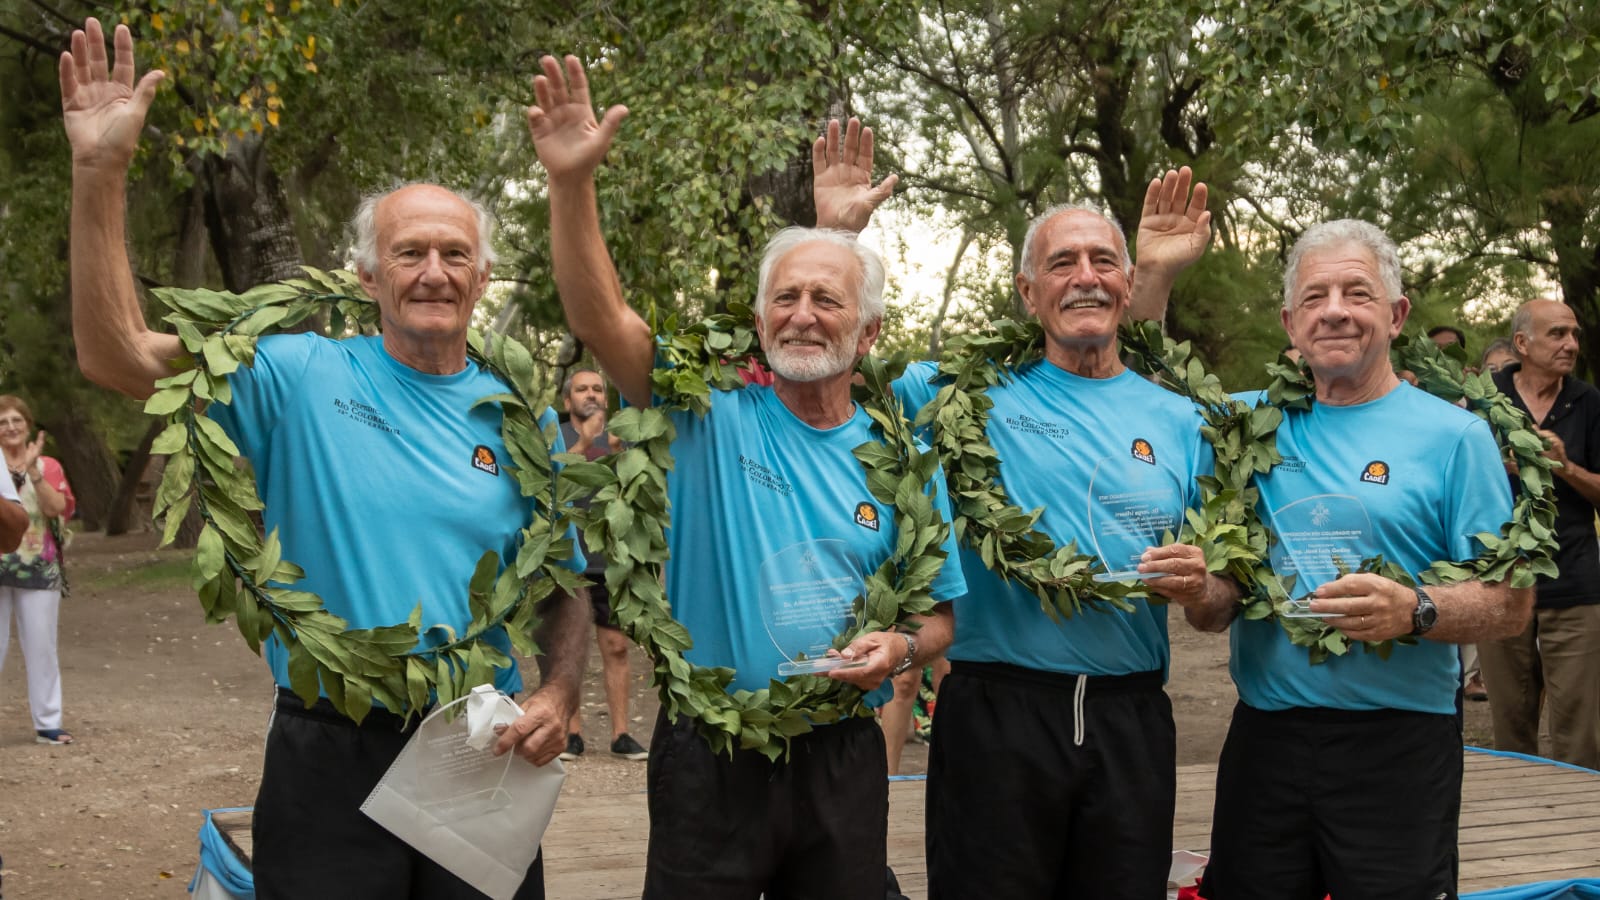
pixel 32 451
pixel 569 140
pixel 842 177
pixel 1175 225
pixel 104 109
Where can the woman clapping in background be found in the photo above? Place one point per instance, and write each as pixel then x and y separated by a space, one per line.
pixel 30 578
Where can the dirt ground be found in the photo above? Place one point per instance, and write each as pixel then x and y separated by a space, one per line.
pixel 170 714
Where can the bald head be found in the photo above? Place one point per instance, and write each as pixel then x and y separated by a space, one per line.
pixel 1545 333
pixel 417 198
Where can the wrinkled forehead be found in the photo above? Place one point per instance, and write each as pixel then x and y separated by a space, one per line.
pixel 425 207
pixel 1076 230
pixel 1342 264
pixel 1550 315
pixel 818 263
pixel 587 380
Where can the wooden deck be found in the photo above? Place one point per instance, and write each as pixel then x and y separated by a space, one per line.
pixel 1521 822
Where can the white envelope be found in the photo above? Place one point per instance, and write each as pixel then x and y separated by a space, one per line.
pixel 478 815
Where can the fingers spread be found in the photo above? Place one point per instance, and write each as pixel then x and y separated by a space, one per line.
pixel 65 71
pixel 122 68
pixel 1197 202
pixel 852 140
pixel 577 81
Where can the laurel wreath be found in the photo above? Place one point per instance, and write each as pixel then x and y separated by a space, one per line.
pixel 1005 536
pixel 1523 549
pixel 239 572
pixel 629 517
pixel 1225 524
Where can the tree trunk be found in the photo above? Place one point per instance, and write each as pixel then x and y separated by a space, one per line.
pixel 1578 270
pixel 87 461
pixel 125 510
pixel 247 216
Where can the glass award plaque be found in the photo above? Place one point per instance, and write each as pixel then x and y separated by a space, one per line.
pixel 454 780
pixel 1317 540
pixel 808 591
pixel 1132 504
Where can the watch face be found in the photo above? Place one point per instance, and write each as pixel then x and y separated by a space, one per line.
pixel 1427 615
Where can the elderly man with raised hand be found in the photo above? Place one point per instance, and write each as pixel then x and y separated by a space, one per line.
pixel 1345 777
pixel 1053 763
pixel 764 469
pixel 408 469
pixel 1555 661
pixel 1053 768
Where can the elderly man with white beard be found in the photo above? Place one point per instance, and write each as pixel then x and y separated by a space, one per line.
pixel 764 470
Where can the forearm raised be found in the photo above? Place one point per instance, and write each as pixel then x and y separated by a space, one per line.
pixel 591 293
pixel 115 347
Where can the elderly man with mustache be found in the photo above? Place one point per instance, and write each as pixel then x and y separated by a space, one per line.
pixel 1053 764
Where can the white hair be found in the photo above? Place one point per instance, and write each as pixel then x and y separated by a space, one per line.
pixel 870 288
pixel 1346 231
pixel 1059 209
pixel 364 227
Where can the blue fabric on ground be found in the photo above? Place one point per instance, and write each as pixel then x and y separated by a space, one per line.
pixel 1530 758
pixel 1581 889
pixel 219 859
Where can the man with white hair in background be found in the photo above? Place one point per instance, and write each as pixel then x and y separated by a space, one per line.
pixel 765 470
pixel 378 472
pixel 1345 777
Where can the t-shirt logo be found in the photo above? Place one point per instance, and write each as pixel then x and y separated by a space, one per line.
pixel 1376 472
pixel 867 515
pixel 1143 452
pixel 483 460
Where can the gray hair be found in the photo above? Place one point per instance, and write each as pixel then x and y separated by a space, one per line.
pixel 1346 231
pixel 566 384
pixel 1499 345
pixel 1060 208
pixel 364 227
pixel 870 287
pixel 1522 320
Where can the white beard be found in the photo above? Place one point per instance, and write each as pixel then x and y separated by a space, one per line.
pixel 793 365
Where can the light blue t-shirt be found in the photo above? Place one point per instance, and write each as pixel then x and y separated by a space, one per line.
pixel 383 482
pixel 1428 478
pixel 1053 432
pixel 755 490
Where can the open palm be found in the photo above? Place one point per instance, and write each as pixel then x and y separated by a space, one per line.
pixel 1175 225
pixel 103 108
pixel 568 138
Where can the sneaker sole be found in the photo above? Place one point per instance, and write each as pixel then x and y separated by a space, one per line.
pixel 633 756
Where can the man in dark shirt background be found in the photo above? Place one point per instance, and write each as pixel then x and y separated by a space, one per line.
pixel 584 395
pixel 1557 659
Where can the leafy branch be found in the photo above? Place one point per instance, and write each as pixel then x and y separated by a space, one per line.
pixel 242 574
pixel 629 516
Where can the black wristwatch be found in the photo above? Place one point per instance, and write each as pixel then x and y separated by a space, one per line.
pixel 1425 615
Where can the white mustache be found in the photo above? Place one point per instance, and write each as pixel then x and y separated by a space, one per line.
pixel 1098 295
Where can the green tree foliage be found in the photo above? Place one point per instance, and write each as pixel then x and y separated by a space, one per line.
pixel 1473 126
pixel 724 102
